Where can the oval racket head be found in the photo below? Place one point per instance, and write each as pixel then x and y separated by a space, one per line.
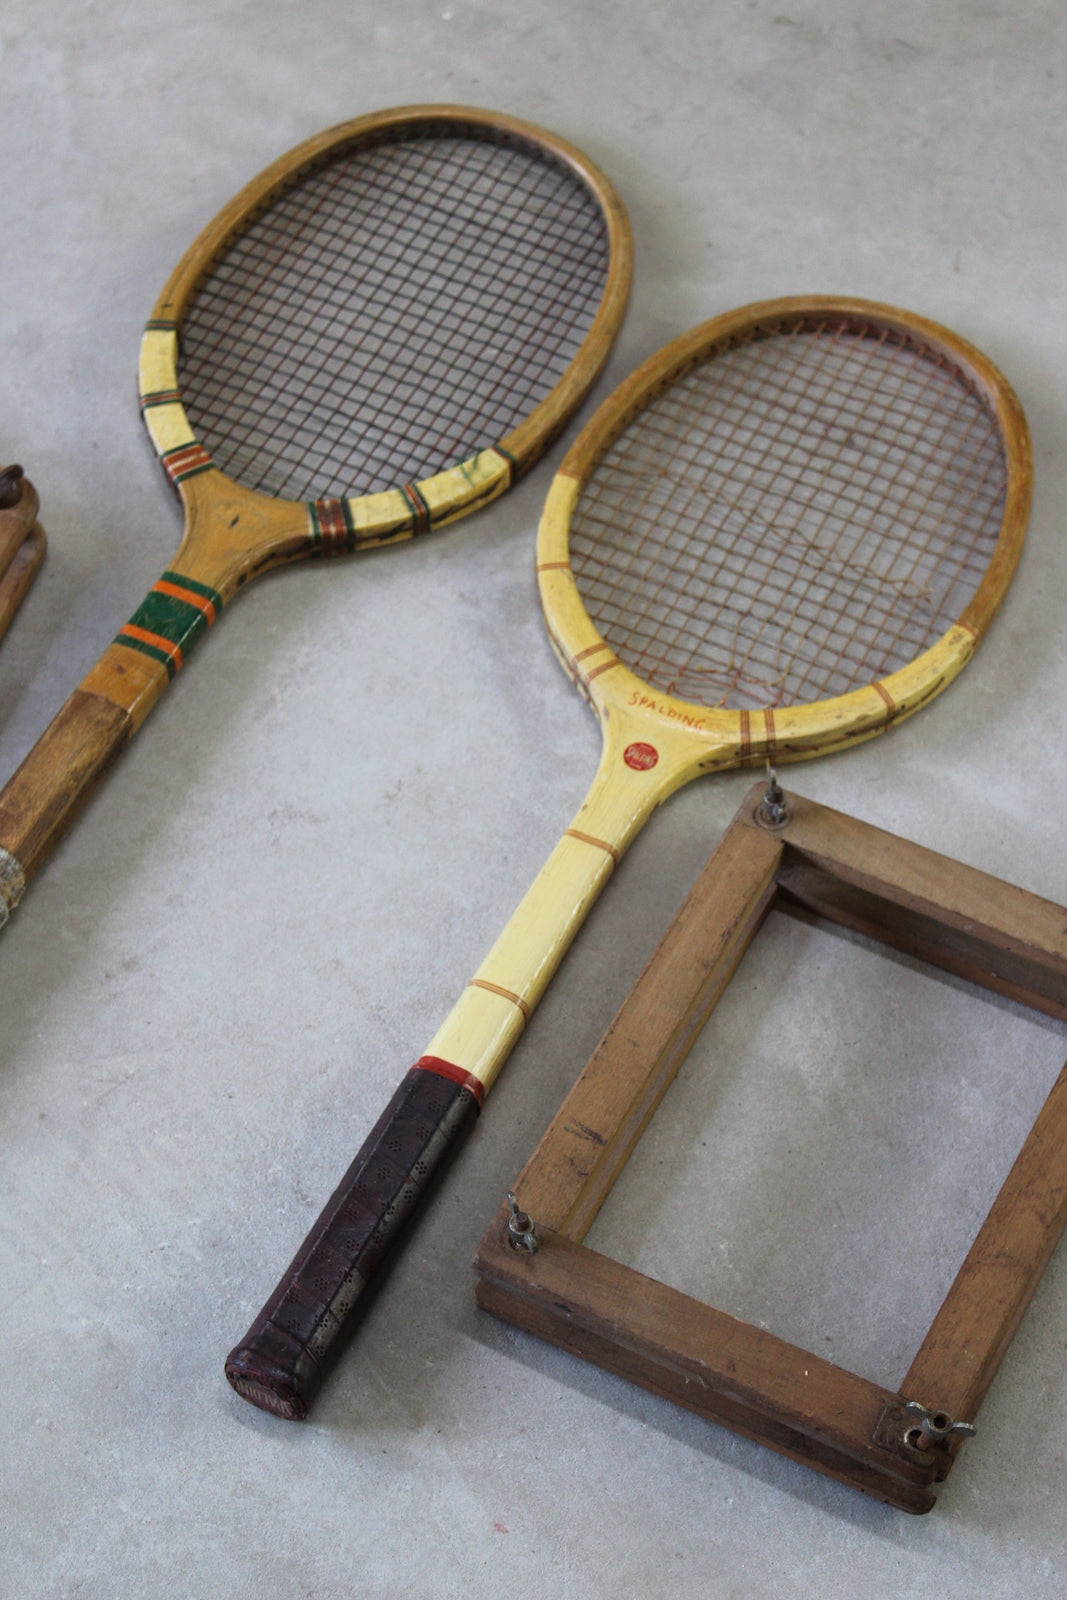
pixel 789 528
pixel 388 326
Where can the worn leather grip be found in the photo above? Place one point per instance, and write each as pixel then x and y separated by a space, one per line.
pixel 279 1363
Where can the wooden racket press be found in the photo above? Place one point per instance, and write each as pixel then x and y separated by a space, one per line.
pixel 534 1271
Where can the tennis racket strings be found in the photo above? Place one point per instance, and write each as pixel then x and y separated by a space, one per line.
pixel 392 312
pixel 798 515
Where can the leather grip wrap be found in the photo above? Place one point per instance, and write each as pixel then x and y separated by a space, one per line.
pixel 279 1363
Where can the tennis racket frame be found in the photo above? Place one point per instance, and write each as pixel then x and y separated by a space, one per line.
pixel 232 533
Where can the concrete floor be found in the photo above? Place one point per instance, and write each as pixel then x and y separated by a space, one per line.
pixel 213 986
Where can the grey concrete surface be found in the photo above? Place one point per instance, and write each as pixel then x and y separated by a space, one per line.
pixel 213 986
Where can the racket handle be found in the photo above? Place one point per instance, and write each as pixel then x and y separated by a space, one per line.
pixel 83 739
pixel 40 801
pixel 279 1363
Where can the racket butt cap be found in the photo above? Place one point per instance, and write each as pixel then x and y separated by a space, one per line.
pixel 270 1385
pixel 274 1371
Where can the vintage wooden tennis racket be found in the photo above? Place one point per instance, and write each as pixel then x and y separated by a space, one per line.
pixel 379 334
pixel 785 532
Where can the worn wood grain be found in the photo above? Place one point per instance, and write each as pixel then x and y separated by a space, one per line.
pixel 960 1355
pixel 825 865
pixel 21 570
pixel 940 910
pixel 720 1368
pixel 589 1142
pixel 59 775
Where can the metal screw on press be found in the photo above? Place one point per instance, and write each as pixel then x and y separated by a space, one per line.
pixel 522 1233
pixel 933 1427
pixel 773 811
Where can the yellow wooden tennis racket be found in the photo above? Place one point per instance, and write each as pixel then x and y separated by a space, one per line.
pixel 379 334
pixel 785 532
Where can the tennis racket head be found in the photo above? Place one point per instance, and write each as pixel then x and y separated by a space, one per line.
pixel 786 530
pixel 384 329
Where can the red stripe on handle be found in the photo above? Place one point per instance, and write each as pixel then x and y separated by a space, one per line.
pixel 454 1074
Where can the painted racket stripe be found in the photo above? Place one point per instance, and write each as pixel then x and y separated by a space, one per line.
pixel 332 526
pixel 887 697
pixel 189 592
pixel 170 619
pixel 505 994
pixel 186 461
pixel 422 517
pixel 161 397
pixel 588 838
pixel 454 1074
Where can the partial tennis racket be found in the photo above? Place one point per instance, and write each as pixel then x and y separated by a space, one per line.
pixel 18 508
pixel 381 333
pixel 785 532
pixel 22 542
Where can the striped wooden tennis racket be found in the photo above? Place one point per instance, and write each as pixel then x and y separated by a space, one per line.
pixel 379 334
pixel 784 533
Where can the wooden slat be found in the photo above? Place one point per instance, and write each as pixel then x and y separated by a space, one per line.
pixel 1029 977
pixel 913 898
pixel 588 1143
pixel 960 1355
pixel 724 1370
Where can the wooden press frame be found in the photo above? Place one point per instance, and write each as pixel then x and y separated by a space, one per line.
pixel 821 863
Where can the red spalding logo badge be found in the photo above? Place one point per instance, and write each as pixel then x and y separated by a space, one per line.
pixel 640 756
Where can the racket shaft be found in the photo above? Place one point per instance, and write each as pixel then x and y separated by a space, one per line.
pixel 62 770
pixel 279 1364
pixel 320 1298
pixel 54 782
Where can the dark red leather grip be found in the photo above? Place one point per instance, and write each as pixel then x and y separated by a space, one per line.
pixel 279 1363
